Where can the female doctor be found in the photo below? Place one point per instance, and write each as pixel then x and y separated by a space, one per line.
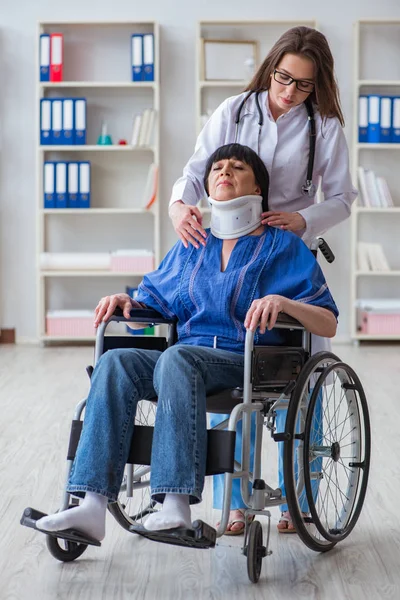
pixel 290 115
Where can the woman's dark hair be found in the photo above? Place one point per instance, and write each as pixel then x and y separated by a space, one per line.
pixel 246 155
pixel 312 44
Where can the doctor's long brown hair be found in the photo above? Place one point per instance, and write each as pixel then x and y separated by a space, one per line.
pixel 313 45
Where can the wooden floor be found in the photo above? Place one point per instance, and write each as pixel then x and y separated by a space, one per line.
pixel 39 388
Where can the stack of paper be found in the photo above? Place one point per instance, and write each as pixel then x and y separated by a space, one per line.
pixel 384 305
pixel 76 261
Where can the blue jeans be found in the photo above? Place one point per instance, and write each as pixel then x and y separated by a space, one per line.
pixel 180 377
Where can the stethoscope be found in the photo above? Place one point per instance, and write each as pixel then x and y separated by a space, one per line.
pixel 309 188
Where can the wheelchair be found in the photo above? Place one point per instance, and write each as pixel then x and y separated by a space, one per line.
pixel 326 447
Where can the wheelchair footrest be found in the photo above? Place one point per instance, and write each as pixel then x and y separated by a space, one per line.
pixel 201 536
pixel 31 515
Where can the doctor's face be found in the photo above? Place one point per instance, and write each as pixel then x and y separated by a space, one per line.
pixel 230 178
pixel 284 97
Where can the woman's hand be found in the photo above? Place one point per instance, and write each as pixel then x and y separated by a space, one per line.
pixel 284 220
pixel 187 222
pixel 107 305
pixel 263 311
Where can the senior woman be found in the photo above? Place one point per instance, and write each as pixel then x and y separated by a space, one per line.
pixel 243 277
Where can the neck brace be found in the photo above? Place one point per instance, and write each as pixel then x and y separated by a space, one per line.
pixel 235 218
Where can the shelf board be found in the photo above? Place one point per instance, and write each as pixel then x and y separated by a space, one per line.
pixel 89 274
pixel 98 23
pixel 223 83
pixel 395 146
pixel 376 337
pixel 95 211
pixel 388 82
pixel 97 84
pixel 96 148
pixel 392 273
pixel 244 22
pixel 377 209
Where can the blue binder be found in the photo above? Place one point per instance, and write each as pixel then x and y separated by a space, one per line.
pixel 148 57
pixel 373 119
pixel 73 184
pixel 45 122
pixel 137 56
pixel 385 134
pixel 56 120
pixel 68 132
pixel 80 120
pixel 396 121
pixel 44 57
pixel 61 184
pixel 49 184
pixel 363 119
pixel 84 185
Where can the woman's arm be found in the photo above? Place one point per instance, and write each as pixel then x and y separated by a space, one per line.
pixel 188 190
pixel 315 319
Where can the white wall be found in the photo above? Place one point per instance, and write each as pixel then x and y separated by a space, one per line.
pixel 178 29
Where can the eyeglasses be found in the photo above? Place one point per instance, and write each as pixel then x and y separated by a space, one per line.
pixel 301 84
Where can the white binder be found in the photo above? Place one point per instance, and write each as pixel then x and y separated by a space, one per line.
pixel 56 119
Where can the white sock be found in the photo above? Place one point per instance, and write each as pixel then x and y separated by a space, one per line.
pixel 174 513
pixel 89 517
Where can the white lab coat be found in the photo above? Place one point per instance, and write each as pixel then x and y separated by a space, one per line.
pixel 284 148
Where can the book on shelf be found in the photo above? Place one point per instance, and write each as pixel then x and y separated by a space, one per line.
pixel 371 257
pixel 144 128
pixel 150 190
pixel 374 191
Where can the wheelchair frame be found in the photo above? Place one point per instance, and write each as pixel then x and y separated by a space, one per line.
pixel 265 402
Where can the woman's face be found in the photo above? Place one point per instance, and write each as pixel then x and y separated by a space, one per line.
pixel 284 97
pixel 230 178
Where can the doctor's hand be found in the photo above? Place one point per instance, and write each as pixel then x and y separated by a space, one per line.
pixel 187 222
pixel 284 220
pixel 107 305
pixel 265 311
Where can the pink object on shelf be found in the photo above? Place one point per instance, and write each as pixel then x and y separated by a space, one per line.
pixel 132 263
pixel 70 325
pixel 380 323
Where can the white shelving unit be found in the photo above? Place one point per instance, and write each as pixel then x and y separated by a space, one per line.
pixel 209 94
pixel 376 71
pixel 97 66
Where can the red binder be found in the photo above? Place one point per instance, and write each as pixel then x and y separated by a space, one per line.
pixel 56 56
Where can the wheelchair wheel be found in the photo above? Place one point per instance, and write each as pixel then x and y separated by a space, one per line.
pixel 131 510
pixel 255 551
pixel 329 424
pixel 64 550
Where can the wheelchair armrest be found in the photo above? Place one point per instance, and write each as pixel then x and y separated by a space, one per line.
pixel 285 321
pixel 142 315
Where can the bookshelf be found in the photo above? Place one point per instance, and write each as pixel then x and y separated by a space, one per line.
pixel 210 93
pixel 97 66
pixel 376 71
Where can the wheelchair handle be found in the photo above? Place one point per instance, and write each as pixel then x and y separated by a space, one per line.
pixel 321 244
